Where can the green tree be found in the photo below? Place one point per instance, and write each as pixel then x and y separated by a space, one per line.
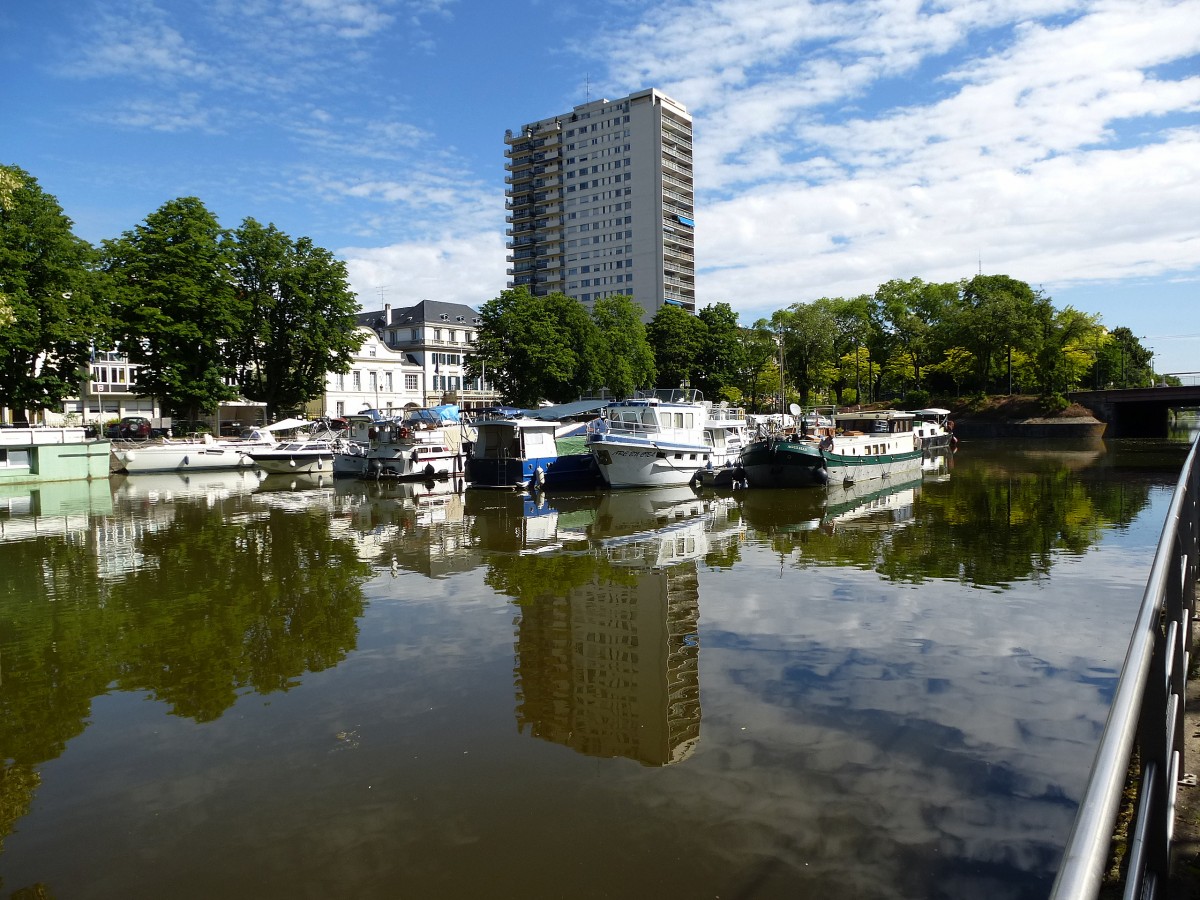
pixel 1128 361
pixel 759 378
pixel 49 312
pixel 177 309
pixel 996 314
pixel 808 331
pixel 625 359
pixel 523 347
pixel 581 340
pixel 722 356
pixel 301 317
pixel 852 330
pixel 677 338
pixel 909 311
pixel 1064 355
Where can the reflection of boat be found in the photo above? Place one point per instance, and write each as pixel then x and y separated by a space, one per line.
pixel 879 503
pixel 33 511
pixel 653 440
pixel 155 486
pixel 522 452
pixel 935 464
pixel 866 446
pixel 872 505
pixel 297 481
pixel 506 522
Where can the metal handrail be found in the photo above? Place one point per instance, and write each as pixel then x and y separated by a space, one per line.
pixel 1148 708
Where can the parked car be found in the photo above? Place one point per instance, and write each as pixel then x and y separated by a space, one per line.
pixel 136 428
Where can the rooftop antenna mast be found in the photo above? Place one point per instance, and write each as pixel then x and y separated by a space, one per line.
pixel 587 87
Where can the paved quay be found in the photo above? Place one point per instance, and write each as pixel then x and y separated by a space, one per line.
pixel 1185 846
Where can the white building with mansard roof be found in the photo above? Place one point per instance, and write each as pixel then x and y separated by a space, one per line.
pixel 411 356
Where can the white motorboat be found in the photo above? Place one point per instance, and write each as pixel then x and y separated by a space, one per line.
pixel 301 456
pixel 424 443
pixel 655 439
pixel 933 429
pixel 183 456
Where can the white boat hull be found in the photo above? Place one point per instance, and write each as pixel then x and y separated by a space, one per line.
pixel 625 464
pixel 179 457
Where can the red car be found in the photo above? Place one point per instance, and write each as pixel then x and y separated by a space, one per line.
pixel 135 428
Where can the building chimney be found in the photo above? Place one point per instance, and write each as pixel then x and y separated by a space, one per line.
pixel 387 314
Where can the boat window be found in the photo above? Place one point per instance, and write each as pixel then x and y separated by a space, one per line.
pixel 14 458
pixel 678 420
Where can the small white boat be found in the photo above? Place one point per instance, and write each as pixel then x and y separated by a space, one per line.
pixel 301 456
pixel 655 439
pixel 183 456
pixel 424 443
pixel 727 433
pixel 933 429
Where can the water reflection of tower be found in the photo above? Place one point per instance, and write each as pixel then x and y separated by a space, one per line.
pixel 612 668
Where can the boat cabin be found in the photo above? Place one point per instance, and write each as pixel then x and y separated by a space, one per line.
pixel 515 439
pixel 883 421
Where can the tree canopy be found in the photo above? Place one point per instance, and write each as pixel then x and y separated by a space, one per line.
pixel 300 317
pixel 177 308
pixel 207 314
pixel 50 313
pixel 549 348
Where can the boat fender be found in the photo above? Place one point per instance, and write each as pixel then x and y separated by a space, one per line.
pixel 822 475
pixel 292 463
pixel 429 470
pixel 539 477
pixel 130 455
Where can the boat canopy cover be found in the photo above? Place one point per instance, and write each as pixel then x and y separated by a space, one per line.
pixel 286 424
pixel 568 410
pixel 447 412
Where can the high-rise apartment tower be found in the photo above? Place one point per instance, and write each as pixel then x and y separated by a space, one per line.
pixel 600 202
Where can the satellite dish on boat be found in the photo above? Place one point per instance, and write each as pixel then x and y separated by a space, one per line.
pixel 794 409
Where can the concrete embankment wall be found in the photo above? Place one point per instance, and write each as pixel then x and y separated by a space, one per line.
pixel 1030 428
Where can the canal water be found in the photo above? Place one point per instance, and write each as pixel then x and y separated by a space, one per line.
pixel 221 686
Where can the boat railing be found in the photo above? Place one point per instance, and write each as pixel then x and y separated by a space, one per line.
pixel 1147 714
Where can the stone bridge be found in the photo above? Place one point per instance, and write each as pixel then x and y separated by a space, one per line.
pixel 1138 412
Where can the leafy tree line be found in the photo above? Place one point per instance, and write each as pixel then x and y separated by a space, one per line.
pixel 910 340
pixel 206 313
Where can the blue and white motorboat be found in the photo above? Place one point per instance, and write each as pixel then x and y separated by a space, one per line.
pixel 522 452
pixel 654 439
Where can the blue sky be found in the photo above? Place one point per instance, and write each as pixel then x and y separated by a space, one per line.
pixel 838 144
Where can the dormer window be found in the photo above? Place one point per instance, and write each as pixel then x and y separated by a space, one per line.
pixel 445 318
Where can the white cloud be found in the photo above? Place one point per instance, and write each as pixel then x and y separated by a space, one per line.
pixel 456 269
